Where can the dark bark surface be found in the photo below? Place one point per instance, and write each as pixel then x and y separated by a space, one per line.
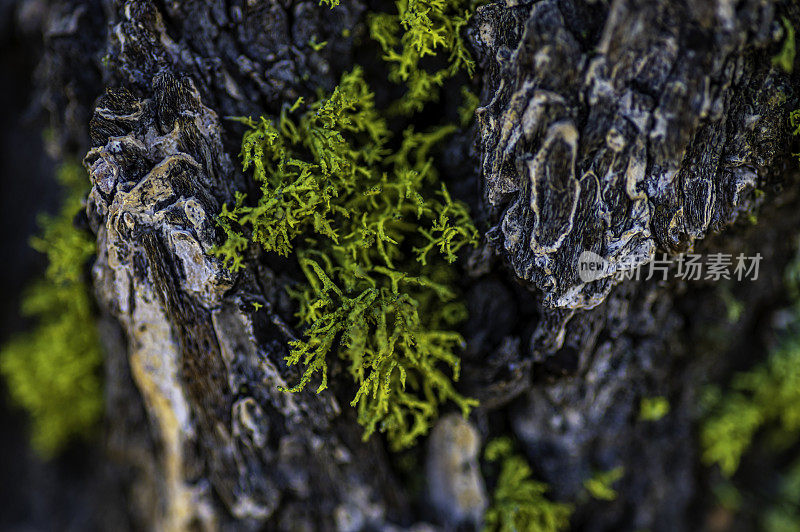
pixel 625 128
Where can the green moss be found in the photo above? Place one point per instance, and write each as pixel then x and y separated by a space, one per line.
pixel 727 495
pixel 371 226
pixel 794 122
pixel 365 223
pixel 764 398
pixel 767 397
pixel 601 484
pixel 467 110
pixel 52 371
pixel 519 502
pixel 733 307
pixel 421 29
pixel 761 404
pixel 783 514
pixel 653 408
pixel 785 58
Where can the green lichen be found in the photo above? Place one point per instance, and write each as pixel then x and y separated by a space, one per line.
pixel 764 398
pixel 370 225
pixel 365 223
pixel 466 111
pixel 653 408
pixel 727 495
pixel 53 370
pixel 785 58
pixel 417 31
pixel 783 514
pixel 601 484
pixel 519 502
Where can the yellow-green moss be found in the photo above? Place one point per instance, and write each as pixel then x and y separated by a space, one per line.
pixel 601 484
pixel 764 398
pixel 371 226
pixel 421 29
pixel 785 58
pixel 519 502
pixel 653 408
pixel 364 222
pixel 53 370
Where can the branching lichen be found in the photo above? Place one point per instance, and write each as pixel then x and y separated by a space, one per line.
pixel 363 223
pixel 653 408
pixel 519 502
pixel 418 30
pixel 783 514
pixel 367 217
pixel 785 58
pixel 53 370
pixel 766 397
pixel 601 484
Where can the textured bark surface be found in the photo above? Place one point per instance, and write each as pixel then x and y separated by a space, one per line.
pixel 623 127
pixel 206 363
pixel 627 129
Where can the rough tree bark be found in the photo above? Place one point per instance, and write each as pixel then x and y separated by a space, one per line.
pixel 620 127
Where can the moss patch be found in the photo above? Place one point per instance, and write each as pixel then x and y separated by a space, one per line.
pixel 366 224
pixel 519 501
pixel 53 370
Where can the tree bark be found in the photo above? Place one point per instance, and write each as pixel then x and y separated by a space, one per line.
pixel 626 128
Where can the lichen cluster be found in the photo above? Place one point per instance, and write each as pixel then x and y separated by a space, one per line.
pixel 784 59
pixel 761 404
pixel 365 223
pixel 766 397
pixel 422 29
pixel 601 484
pixel 519 501
pixel 653 408
pixel 366 217
pixel 53 370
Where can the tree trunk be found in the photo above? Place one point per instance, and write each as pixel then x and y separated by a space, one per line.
pixel 623 128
